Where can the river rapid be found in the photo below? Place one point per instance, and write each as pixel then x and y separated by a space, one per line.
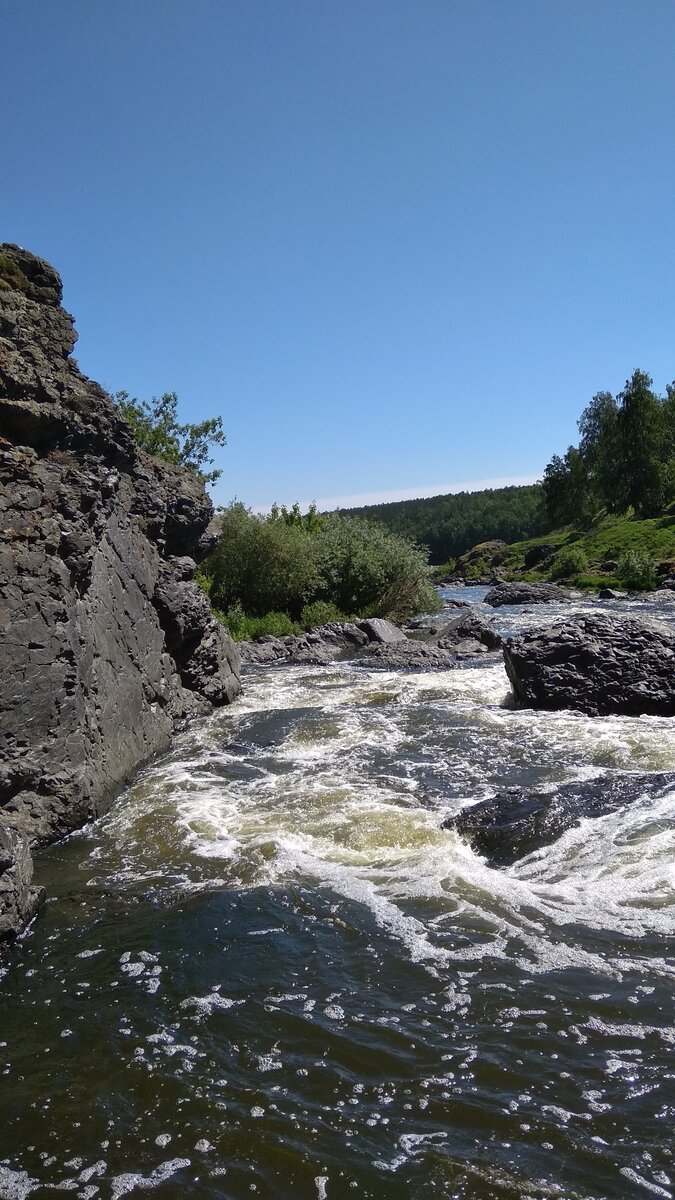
pixel 268 971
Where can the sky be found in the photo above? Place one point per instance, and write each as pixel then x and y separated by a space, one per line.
pixel 396 244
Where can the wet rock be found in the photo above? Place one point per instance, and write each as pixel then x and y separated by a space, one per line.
pixel 19 899
pixel 107 646
pixel 472 626
pixel 596 663
pixel 515 822
pixel 407 654
pixel 379 630
pixel 321 645
pixel 526 593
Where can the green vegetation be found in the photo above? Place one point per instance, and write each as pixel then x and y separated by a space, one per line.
pixel 309 569
pixel 625 458
pixel 607 547
pixel 12 277
pixel 568 563
pixel 157 430
pixel 450 525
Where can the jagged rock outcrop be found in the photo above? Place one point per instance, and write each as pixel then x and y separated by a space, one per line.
pixel 526 593
pixel 106 643
pixel 514 822
pixel 596 663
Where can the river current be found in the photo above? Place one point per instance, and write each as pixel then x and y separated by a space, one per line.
pixel 268 972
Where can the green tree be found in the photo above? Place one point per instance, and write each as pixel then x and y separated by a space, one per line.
pixel 599 447
pixel 158 431
pixel 641 443
pixel 568 490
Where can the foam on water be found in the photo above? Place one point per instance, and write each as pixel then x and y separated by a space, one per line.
pixel 343 785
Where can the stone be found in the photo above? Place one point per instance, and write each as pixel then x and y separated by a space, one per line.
pixel 526 593
pixel 19 899
pixel 406 654
pixel 107 645
pixel 515 822
pixel 607 593
pixel 538 555
pixel 379 630
pixel 469 625
pixel 596 663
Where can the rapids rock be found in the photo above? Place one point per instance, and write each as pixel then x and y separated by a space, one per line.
pixel 515 822
pixel 107 643
pixel 596 663
pixel 526 593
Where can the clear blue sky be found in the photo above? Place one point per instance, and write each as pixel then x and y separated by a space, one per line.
pixel 397 244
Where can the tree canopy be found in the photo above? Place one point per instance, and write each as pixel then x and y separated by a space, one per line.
pixel 625 458
pixel 157 430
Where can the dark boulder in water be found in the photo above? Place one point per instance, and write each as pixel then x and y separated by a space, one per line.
pixel 596 663
pixel 516 822
pixel 526 593
pixel 469 625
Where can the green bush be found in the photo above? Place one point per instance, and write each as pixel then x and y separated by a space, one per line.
pixel 568 562
pixel 636 572
pixel 282 564
pixel 321 612
pixel 245 629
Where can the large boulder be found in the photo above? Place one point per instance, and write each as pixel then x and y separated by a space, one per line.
pixel 106 642
pixel 526 593
pixel 596 663
pixel 515 822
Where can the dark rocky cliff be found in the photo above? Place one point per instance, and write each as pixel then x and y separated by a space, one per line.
pixel 106 643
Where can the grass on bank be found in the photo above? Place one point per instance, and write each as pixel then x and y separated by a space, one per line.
pixel 622 550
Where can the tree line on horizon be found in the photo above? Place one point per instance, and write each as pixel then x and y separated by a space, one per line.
pixel 625 458
pixel 450 525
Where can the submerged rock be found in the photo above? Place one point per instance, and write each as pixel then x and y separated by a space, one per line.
pixel 515 822
pixel 526 593
pixel 596 663
pixel 107 644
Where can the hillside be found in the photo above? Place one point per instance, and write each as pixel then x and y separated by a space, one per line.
pixel 615 550
pixel 451 524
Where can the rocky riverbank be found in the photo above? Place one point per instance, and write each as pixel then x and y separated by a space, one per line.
pixel 107 644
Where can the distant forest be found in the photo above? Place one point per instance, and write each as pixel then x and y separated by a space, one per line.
pixel 450 525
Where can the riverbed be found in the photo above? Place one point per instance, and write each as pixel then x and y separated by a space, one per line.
pixel 269 972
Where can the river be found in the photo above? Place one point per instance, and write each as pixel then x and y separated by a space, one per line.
pixel 268 972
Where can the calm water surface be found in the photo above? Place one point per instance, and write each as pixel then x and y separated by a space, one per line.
pixel 268 972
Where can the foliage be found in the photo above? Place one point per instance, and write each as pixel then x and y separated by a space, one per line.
pixel 450 525
pixel 625 458
pixel 569 561
pixel 265 564
pixel 11 276
pixel 243 628
pixel 273 564
pixel 636 572
pixel 609 539
pixel 320 612
pixel 158 431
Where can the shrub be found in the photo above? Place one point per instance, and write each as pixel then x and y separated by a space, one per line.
pixel 568 562
pixel 280 564
pixel 321 612
pixel 636 571
pixel 244 628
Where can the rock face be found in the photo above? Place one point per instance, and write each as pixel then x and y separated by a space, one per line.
pixel 596 663
pixel 525 593
pixel 106 643
pixel 514 823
